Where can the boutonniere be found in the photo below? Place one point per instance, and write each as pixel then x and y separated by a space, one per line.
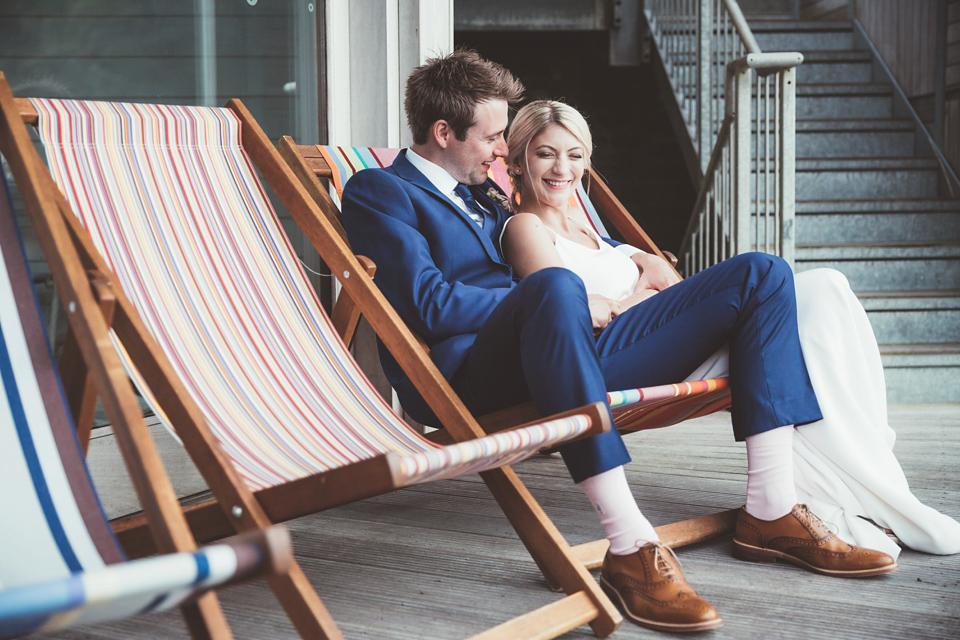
pixel 500 199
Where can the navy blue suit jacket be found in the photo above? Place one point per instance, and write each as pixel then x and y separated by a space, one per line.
pixel 442 273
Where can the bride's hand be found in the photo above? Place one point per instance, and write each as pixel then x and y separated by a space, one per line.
pixel 636 298
pixel 602 310
pixel 655 272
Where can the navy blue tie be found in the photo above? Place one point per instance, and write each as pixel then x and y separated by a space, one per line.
pixel 466 195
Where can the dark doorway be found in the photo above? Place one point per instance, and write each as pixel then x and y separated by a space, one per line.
pixel 635 146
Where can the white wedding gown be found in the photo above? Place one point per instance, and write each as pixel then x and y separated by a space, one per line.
pixel 844 466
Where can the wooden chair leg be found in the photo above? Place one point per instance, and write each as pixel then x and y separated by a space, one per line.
pixel 205 619
pixel 77 384
pixel 78 388
pixel 548 548
pixel 303 606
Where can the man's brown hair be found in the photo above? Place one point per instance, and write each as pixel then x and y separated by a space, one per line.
pixel 450 88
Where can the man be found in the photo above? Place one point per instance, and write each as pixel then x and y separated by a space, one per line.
pixel 432 222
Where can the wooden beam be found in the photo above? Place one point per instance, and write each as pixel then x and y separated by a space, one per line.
pixel 346 314
pixel 549 621
pixel 209 520
pixel 674 535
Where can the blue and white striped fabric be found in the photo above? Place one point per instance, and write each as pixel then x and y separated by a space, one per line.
pixel 60 564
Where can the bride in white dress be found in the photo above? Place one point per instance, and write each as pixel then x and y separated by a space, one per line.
pixel 844 466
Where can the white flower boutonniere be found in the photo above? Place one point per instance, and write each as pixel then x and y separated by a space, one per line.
pixel 500 199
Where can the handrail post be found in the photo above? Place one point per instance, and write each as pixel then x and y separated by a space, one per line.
pixel 787 174
pixel 740 78
pixel 704 90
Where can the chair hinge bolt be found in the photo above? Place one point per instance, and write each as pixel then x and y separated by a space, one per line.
pixel 237 512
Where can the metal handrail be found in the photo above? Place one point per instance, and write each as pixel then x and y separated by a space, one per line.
pixel 739 107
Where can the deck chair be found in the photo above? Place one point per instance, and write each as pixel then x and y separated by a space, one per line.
pixel 633 409
pixel 60 564
pixel 244 362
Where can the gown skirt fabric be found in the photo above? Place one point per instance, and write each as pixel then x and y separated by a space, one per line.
pixel 844 466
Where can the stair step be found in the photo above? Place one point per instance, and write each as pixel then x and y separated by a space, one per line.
pixel 918 205
pixel 877 226
pixel 871 125
pixel 930 317
pixel 800 26
pixel 917 221
pixel 866 164
pixel 879 251
pixel 839 100
pixel 928 326
pixel 887 266
pixel 854 66
pixel 855 178
pixel 879 300
pixel 921 372
pixel 844 89
pixel 875 137
pixel 802 36
pixel 949 351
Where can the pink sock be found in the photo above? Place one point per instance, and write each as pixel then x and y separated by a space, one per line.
pixel 771 492
pixel 627 529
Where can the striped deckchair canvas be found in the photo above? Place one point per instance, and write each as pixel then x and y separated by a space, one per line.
pixel 169 198
pixel 195 243
pixel 633 409
pixel 60 564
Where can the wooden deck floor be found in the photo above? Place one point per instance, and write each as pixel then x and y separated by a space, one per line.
pixel 439 561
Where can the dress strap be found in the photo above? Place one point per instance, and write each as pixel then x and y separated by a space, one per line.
pixel 507 221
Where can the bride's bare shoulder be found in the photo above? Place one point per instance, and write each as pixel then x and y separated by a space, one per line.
pixel 523 231
pixel 524 223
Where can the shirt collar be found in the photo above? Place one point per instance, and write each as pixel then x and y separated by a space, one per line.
pixel 437 175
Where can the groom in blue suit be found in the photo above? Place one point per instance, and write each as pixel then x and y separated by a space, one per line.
pixel 432 223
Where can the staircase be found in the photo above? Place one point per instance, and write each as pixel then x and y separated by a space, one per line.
pixel 872 209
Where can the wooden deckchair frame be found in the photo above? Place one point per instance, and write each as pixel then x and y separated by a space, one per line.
pixel 328 236
pixel 91 301
pixel 76 262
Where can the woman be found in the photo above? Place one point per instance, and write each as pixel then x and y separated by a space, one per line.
pixel 843 466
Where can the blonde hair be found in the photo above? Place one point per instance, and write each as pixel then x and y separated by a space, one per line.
pixel 530 122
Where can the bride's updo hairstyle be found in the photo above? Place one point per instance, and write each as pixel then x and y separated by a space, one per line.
pixel 530 122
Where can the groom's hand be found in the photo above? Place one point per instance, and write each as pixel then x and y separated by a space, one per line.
pixel 655 272
pixel 602 310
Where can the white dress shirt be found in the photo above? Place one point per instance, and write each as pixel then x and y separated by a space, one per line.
pixel 443 181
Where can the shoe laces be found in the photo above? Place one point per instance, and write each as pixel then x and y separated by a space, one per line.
pixel 661 560
pixel 819 523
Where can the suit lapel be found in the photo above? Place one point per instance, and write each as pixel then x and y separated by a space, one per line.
pixel 411 174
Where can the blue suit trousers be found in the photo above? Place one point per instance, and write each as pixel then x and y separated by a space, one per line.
pixel 539 343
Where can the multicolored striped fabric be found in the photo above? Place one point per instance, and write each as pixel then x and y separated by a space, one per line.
pixel 171 200
pixel 665 405
pixel 59 562
pixel 346 161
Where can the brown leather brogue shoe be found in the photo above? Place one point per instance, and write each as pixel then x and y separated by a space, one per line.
pixel 653 592
pixel 802 538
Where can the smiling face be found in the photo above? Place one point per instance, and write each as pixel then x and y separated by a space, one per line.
pixel 469 159
pixel 553 166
